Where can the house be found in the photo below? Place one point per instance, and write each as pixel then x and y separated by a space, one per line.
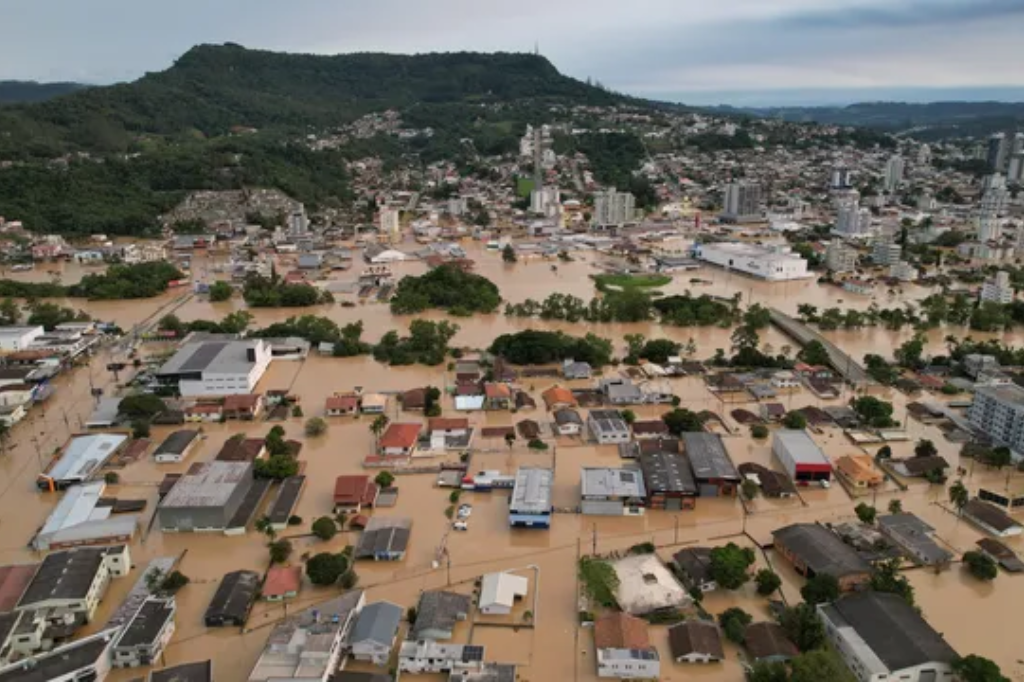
pixel 83 659
pixel 646 585
pixel 82 518
pixel 621 391
pixel 449 433
pixel 437 613
pixel 558 397
pixel 238 449
pixel 917 467
pixel 669 481
pixel 428 656
pixel 881 637
pixel 572 369
pixel 914 537
pixel 399 440
pixel 80 458
pixel 384 539
pixel 524 401
pixel 204 412
pixel 713 470
pixel 142 641
pixel 177 446
pixel 784 380
pixel 530 504
pixel 221 366
pixel 991 519
pixel 814 550
pixel 651 428
pixel 75 580
pixel 373 403
pixel 414 400
pixel 467 371
pixel 859 471
pixel 568 422
pixel 696 641
pixel 528 429
pixel 608 427
pixel 694 567
pixel 623 648
pixel 767 642
pixel 244 406
pixel 341 405
pixel 309 645
pixel 772 412
pixel 497 396
pixel 197 671
pixel 353 493
pixel 374 633
pixel 499 593
pixel 233 599
pixel 282 582
pixel 206 498
pixel 612 492
pixel 801 457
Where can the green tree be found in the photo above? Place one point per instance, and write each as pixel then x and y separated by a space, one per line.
pixel 681 420
pixel 377 427
pixel 326 568
pixel 795 420
pixel 820 589
pixel 749 489
pixel 734 622
pixel 325 528
pixel 814 353
pixel 895 506
pixel 141 406
pixel 925 448
pixel 510 439
pixel 508 254
pixel 959 496
pixel 280 550
pixel 220 291
pixel 277 467
pixel 909 353
pixel 729 565
pixel 759 431
pixel 866 513
pixel 384 479
pixel 757 317
pixel 764 671
pixel 874 412
pixel 887 578
pixel 803 627
pixel 973 668
pixel 140 428
pixel 819 665
pixel 767 581
pixel 10 313
pixel 266 526
pixel 981 565
pixel 744 338
pixel 629 416
pixel 315 426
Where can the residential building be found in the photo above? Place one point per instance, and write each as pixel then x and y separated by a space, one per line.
pixel 282 582
pixel 571 369
pixel 546 201
pixel 499 593
pixel 840 258
pixel 612 208
pixel 206 498
pixel 558 397
pixel 696 641
pixel 177 446
pixel 621 391
pixel 399 440
pixel 991 519
pixel 914 537
pixel 233 599
pixel 308 646
pixel 742 203
pixel 998 411
pixel 767 642
pixel 885 252
pixel 918 467
pixel 390 222
pixel 861 287
pixel 894 173
pixel 694 567
pixel 81 458
pixel 75 580
pixel 428 656
pixel 771 263
pixel 903 271
pixel 497 396
pixel 608 427
pixel 353 493
pixel 13 339
pixel 624 650
pixel 997 288
pixel 81 660
pixel 998 150
pixel 374 633
pixel 437 613
pixel 814 550
pixel 881 637
pixel 449 433
pixel 649 428
pixel 713 470
pixel 142 641
pixel 385 538
pixel 800 456
pixel 80 519
pixel 669 481
pixel 568 422
pixel 244 406
pixel 530 505
pixel 342 405
pixel 859 471
pixel 851 219
pixel 197 671
pixel 612 492
pixel 216 367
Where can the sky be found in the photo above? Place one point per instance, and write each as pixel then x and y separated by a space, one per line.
pixel 741 52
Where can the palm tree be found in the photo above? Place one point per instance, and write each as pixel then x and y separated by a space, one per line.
pixel 263 525
pixel 377 427
pixel 959 496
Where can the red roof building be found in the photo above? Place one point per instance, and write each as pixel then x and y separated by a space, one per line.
pixel 282 582
pixel 13 581
pixel 447 424
pixel 621 631
pixel 399 440
pixel 352 493
pixel 338 405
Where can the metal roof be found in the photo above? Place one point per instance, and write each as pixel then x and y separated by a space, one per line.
pixel 207 484
pixel 84 455
pixel 532 491
pixel 607 482
pixel 821 550
pixel 800 447
pixel 214 356
pixel 177 442
pixel 708 456
pixel 378 623
pixel 608 421
pixel 667 472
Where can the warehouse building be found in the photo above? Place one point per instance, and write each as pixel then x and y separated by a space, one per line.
pixel 219 366
pixel 669 481
pixel 80 460
pixel 815 550
pixel 206 498
pixel 713 470
pixel 81 518
pixel 612 492
pixel 75 580
pixel 774 264
pixel 233 599
pixel 176 446
pixel 801 457
pixel 143 639
pixel 530 505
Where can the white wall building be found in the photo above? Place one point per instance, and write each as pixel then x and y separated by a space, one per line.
pixel 546 201
pixel 885 252
pixel 220 367
pixel 742 203
pixel 894 173
pixel 18 338
pixel 390 222
pixel 997 289
pixel 840 258
pixel 904 271
pixel 774 264
pixel 614 208
pixel 500 591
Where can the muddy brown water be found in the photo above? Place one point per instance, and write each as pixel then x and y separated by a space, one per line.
pixel 556 648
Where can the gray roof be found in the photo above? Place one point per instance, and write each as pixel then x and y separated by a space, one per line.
pixel 666 472
pixel 146 624
pixel 608 421
pixel 177 442
pixel 801 447
pixel 85 454
pixel 384 534
pixel 64 575
pixel 914 535
pixel 708 457
pixel 439 610
pixel 59 662
pixel 1011 394
pixel 695 637
pixel 234 596
pixel 568 416
pixel 198 671
pixel 532 491
pixel 605 482
pixel 821 550
pixel 207 484
pixel 221 356
pixel 695 563
pixel 894 630
pixel 377 622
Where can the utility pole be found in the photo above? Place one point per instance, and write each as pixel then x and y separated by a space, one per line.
pixel 448 561
pixel 675 537
pixel 594 541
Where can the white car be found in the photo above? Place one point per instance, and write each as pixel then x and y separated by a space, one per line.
pixel 460 525
pixel 465 511
pixel 824 484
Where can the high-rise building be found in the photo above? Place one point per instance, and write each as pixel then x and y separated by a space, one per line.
pixel 998 151
pixel 851 219
pixel 1015 168
pixel 998 411
pixel 742 202
pixel 1017 146
pixel 545 201
pixel 988 227
pixel 924 155
pixel 841 178
pixel 894 172
pixel 903 271
pixel 614 208
pixel 840 258
pixel 390 223
pixel 298 224
pixel 885 252
pixel 997 288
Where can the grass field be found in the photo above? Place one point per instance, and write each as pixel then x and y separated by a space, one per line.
pixel 631 281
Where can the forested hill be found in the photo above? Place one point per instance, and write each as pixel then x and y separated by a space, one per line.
pixel 17 92
pixel 214 88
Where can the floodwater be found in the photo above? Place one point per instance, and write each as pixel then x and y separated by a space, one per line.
pixel 555 648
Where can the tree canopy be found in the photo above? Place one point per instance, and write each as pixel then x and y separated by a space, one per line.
pixel 447 287
pixel 535 347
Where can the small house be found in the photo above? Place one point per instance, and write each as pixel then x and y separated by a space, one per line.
pixel 571 369
pixel 373 403
pixel 621 391
pixel 651 428
pixel 499 592
pixel 243 406
pixel 624 650
pixel 767 642
pixel 608 427
pixel 558 397
pixel 696 641
pixel 437 613
pixel 282 582
pixel 341 405
pixel 354 493
pixel 497 396
pixel 374 633
pixel 399 440
pixel 694 567
pixel 859 471
pixel 568 422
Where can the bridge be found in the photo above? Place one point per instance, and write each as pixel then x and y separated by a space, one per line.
pixel 844 364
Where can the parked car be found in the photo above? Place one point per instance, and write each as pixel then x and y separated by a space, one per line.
pixel 460 525
pixel 465 511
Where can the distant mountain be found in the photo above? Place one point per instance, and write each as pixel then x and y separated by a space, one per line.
pixel 19 92
pixel 933 121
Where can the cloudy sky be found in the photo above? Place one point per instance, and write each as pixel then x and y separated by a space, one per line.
pixel 698 51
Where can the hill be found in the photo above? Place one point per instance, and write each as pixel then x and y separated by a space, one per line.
pixel 934 120
pixel 18 92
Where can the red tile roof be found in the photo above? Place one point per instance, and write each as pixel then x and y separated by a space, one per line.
pixel 354 490
pixel 400 436
pixel 282 580
pixel 13 581
pixel 446 424
pixel 204 408
pixel 621 631
pixel 493 391
pixel 241 401
pixel 342 402
pixel 557 395
pixel 241 450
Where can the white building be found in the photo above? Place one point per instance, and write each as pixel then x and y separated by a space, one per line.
pixel 500 591
pixel 774 264
pixel 840 178
pixel 1015 169
pixel 82 659
pixel 614 208
pixel 840 258
pixel 623 648
pixel 92 568
pixel 390 223
pixel 428 656
pixel 885 252
pixel 742 202
pixel 18 338
pixel 216 367
pixel 997 288
pixel 894 173
pixel 851 219
pixel 143 639
pixel 546 201
pixel 903 271
pixel 79 519
pixel 298 223
pixel 988 226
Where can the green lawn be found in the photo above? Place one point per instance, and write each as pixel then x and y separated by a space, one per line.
pixel 631 281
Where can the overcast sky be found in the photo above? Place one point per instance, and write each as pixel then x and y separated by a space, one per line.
pixel 700 51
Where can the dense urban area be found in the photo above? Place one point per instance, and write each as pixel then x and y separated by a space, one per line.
pixel 450 367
